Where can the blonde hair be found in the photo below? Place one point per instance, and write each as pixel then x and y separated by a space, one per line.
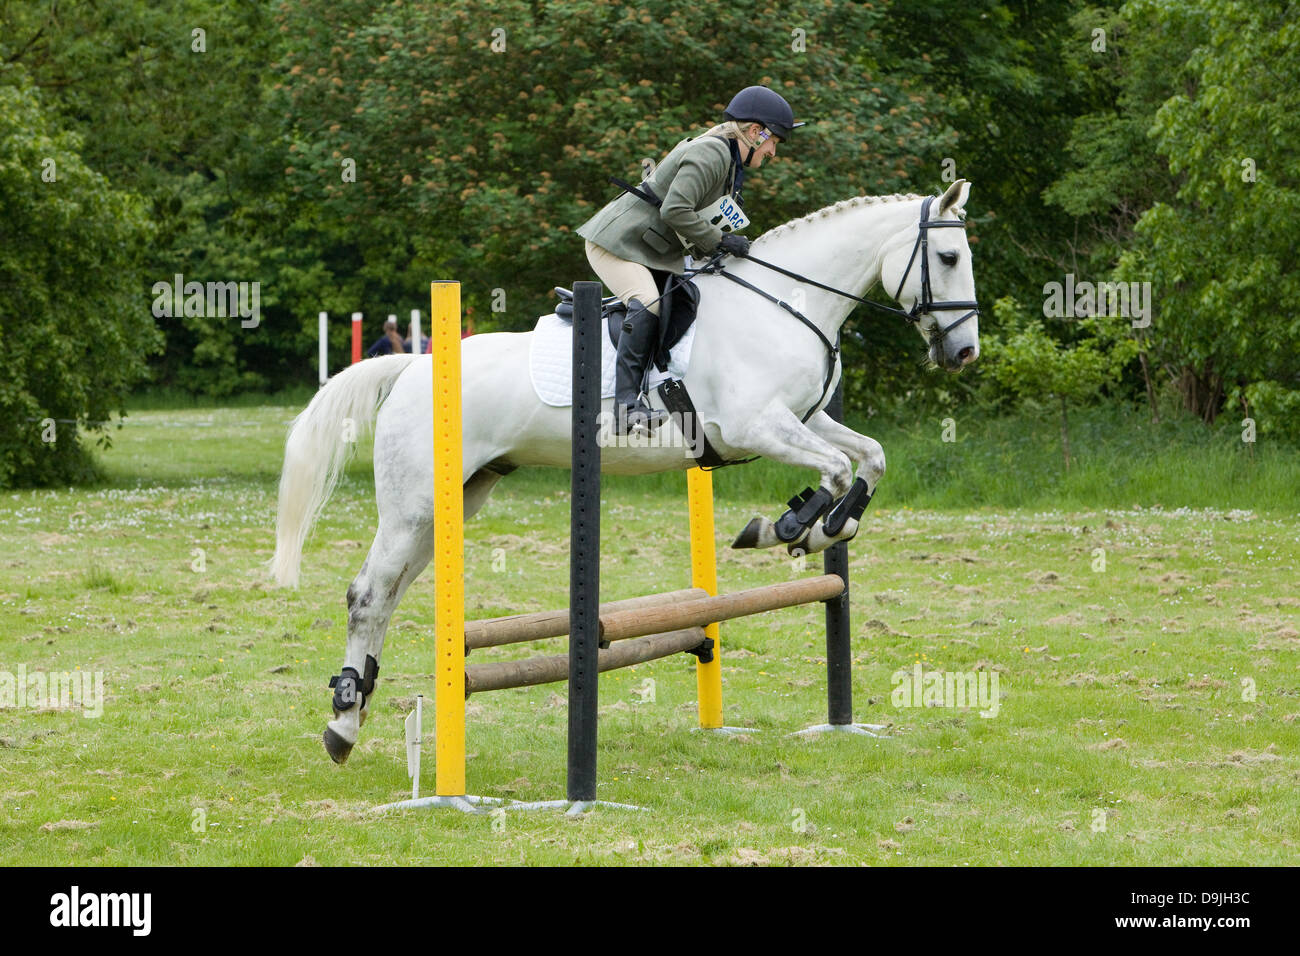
pixel 732 129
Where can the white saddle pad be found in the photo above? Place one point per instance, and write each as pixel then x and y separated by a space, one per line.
pixel 550 361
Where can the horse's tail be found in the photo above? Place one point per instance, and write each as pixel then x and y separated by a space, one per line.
pixel 321 440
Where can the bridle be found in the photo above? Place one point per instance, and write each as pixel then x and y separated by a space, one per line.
pixel 924 305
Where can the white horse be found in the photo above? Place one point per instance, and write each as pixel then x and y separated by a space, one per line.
pixel 754 372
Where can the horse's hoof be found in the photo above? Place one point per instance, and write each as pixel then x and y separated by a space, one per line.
pixel 748 538
pixel 336 746
pixel 850 531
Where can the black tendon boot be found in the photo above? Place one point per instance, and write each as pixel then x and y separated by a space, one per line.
pixel 640 334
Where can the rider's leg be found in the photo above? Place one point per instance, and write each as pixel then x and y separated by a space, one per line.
pixel 633 283
pixel 627 280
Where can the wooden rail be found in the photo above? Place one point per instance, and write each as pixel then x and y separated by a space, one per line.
pixel 548 670
pixel 517 628
pixel 635 622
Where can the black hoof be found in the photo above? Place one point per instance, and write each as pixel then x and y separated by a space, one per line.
pixel 748 538
pixel 336 746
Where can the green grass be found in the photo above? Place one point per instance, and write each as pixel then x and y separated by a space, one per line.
pixel 1160 696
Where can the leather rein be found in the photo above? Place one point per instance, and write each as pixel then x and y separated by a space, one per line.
pixel 925 304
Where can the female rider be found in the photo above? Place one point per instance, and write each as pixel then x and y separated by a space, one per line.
pixel 673 212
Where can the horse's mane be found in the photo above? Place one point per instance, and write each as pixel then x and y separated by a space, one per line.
pixel 835 208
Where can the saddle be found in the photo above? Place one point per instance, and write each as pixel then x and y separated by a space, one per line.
pixel 678 302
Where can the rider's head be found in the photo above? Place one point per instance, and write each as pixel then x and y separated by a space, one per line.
pixel 760 140
pixel 762 117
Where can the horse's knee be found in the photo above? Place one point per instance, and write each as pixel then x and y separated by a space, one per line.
pixel 840 476
pixel 873 461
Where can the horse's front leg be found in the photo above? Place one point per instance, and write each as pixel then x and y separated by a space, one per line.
pixel 841 522
pixel 777 433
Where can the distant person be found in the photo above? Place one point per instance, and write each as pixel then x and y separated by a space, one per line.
pixel 389 342
pixel 424 341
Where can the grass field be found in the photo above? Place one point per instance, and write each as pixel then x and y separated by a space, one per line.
pixel 1149 711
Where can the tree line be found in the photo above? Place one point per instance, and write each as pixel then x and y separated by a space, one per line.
pixel 342 153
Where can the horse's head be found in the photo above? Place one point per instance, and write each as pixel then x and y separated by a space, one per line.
pixel 929 272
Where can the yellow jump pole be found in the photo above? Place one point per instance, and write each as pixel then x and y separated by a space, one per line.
pixel 448 558
pixel 704 574
pixel 448 541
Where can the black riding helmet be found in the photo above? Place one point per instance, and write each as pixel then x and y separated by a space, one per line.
pixel 758 104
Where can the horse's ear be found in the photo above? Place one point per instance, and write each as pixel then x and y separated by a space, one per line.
pixel 954 200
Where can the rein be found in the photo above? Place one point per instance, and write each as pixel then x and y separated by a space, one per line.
pixel 924 304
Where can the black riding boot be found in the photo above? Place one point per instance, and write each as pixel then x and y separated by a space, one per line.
pixel 640 335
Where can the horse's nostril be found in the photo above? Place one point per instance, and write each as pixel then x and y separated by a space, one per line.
pixel 966 354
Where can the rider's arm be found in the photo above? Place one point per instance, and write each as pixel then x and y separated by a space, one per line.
pixel 700 177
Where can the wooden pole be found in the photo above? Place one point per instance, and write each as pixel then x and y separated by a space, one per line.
pixel 550 670
pixel 654 620
pixel 518 628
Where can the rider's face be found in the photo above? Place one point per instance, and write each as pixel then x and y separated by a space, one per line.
pixel 766 140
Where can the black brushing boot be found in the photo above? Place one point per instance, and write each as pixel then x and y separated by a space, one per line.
pixel 640 335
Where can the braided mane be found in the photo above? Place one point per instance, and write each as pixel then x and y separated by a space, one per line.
pixel 834 208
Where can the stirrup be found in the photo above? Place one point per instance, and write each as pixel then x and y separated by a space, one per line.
pixel 638 417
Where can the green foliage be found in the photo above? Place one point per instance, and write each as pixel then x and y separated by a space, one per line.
pixel 1221 254
pixel 1115 173
pixel 180 119
pixel 1275 408
pixel 1029 364
pixel 996 72
pixel 1189 183
pixel 489 157
pixel 74 328
pixel 483 134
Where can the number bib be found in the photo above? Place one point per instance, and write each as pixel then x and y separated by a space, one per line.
pixel 727 215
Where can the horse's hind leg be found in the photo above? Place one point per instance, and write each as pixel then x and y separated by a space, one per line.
pixel 478 488
pixel 401 550
pixel 399 553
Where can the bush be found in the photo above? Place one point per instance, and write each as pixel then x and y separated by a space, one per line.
pixel 75 326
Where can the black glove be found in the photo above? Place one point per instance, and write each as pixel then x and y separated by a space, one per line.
pixel 738 246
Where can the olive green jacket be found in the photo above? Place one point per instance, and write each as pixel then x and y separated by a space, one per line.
pixel 694 175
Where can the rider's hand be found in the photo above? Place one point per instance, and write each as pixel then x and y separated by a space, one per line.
pixel 738 246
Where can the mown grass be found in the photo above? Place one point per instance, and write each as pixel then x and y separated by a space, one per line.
pixel 1149 711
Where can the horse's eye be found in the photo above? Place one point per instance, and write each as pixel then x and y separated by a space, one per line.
pixel 948 258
